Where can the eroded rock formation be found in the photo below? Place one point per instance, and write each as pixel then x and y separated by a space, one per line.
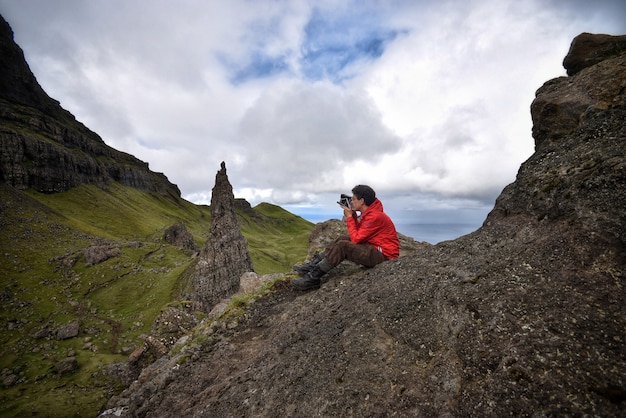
pixel 225 255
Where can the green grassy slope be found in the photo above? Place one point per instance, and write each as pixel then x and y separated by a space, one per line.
pixel 275 237
pixel 47 282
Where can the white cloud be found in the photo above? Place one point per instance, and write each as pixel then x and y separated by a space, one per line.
pixel 305 99
pixel 300 136
pixel 458 91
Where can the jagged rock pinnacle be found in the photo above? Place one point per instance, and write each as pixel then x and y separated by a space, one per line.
pixel 225 255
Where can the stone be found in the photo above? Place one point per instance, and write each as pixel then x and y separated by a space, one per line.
pixel 68 331
pixel 225 255
pixel 171 324
pixel 95 254
pixel 137 354
pixel 178 236
pixel 67 365
pixel 589 49
pixel 9 380
pixel 249 282
pixel 156 347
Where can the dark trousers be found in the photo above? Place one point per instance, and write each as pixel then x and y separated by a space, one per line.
pixel 344 249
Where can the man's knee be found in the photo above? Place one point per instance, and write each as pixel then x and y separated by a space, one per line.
pixel 338 251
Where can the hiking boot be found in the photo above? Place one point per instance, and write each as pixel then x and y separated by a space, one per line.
pixel 306 282
pixel 312 279
pixel 303 269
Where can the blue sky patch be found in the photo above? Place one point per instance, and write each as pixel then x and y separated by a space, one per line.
pixel 332 43
pixel 260 66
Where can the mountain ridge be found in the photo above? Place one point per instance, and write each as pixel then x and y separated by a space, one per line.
pixel 45 148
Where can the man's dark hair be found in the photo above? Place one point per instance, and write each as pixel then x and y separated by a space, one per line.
pixel 365 192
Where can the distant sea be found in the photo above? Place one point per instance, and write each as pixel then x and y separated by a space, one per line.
pixel 435 233
pixel 431 233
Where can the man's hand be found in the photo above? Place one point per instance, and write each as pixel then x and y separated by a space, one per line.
pixel 347 212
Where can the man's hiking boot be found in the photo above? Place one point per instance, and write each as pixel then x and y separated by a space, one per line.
pixel 303 269
pixel 306 282
pixel 312 280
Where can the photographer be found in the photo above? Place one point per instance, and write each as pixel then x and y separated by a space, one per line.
pixel 372 240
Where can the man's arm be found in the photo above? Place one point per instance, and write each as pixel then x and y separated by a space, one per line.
pixel 362 232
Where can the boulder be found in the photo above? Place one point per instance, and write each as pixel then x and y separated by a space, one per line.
pixel 68 331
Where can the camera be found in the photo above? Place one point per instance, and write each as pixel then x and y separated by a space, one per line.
pixel 345 200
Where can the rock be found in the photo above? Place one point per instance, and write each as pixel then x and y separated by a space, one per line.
pixel 323 234
pixel 219 308
pixel 114 412
pixel 96 254
pixel 249 282
pixel 156 347
pixel 225 255
pixel 127 350
pixel 171 324
pixel 68 331
pixel 588 49
pixel 562 105
pixel 244 206
pixel 137 354
pixel 41 333
pixel 67 365
pixel 9 378
pixel 178 235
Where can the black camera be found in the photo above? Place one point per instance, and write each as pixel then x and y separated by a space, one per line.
pixel 345 200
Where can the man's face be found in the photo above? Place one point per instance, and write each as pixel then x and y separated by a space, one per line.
pixel 357 204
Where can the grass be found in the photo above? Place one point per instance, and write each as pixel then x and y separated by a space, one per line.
pixel 47 283
pixel 239 303
pixel 277 242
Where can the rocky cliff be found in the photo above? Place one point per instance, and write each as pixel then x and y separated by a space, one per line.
pixel 225 256
pixel 43 147
pixel 525 316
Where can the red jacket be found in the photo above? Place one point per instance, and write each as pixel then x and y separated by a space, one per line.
pixel 375 227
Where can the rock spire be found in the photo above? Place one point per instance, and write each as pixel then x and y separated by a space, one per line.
pixel 225 255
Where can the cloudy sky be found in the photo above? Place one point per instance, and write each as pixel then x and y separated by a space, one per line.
pixel 426 101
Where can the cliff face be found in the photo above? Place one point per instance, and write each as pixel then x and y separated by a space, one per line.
pixel 43 147
pixel 525 316
pixel 577 173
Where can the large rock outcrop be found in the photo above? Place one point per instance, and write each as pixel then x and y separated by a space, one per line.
pixel 43 147
pixel 588 49
pixel 225 255
pixel 525 316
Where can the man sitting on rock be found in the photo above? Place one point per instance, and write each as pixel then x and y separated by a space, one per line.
pixel 372 240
